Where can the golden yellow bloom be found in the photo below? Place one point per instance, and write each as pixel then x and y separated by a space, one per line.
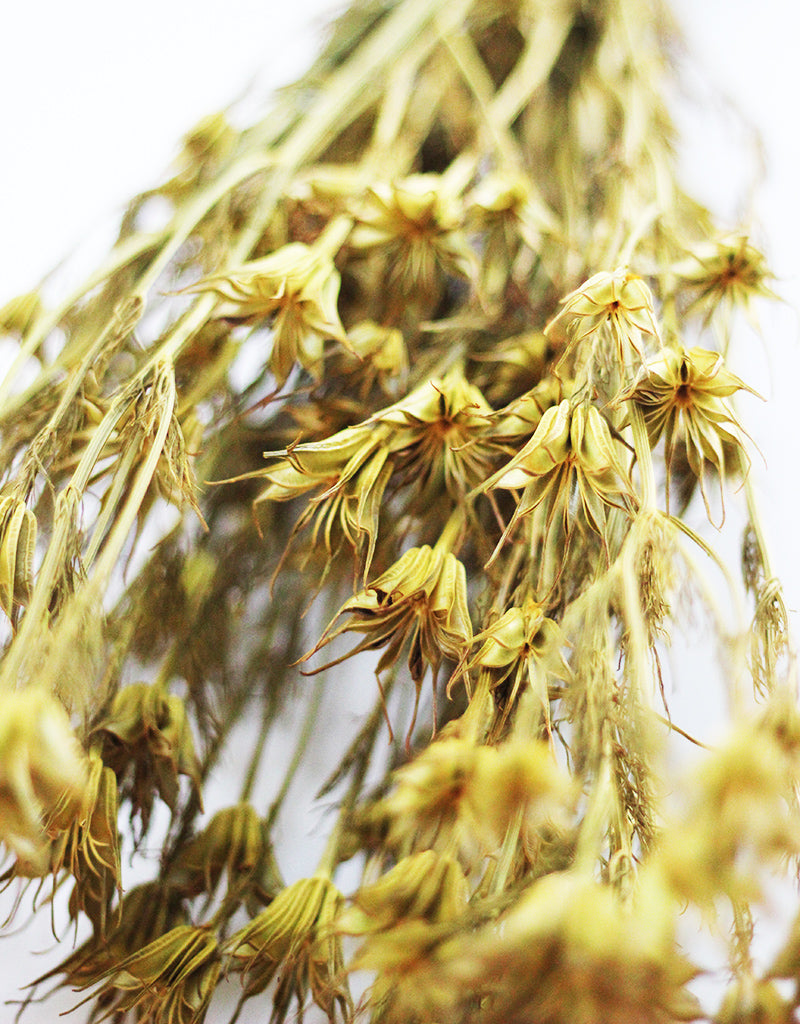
pixel 298 287
pixel 417 222
pixel 506 211
pixel 682 396
pixel 294 939
pixel 619 302
pixel 147 741
pixel 420 602
pixel 436 436
pixel 571 449
pixel 379 356
pixel 499 193
pixel 145 913
pixel 741 813
pixel 44 774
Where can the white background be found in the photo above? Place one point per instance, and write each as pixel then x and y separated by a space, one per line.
pixel 95 94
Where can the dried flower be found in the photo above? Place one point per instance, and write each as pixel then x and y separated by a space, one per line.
pixel 417 222
pixel 420 602
pixel 350 470
pixel 459 794
pixel 294 939
pixel 234 842
pixel 399 916
pixel 439 434
pixel 91 849
pixel 424 886
pixel 522 645
pixel 619 303
pixel 505 208
pixel 740 813
pixel 298 287
pixel 568 953
pixel 571 449
pixel 145 913
pixel 147 741
pixel 682 395
pixel 753 1001
pixel 44 774
pixel 380 356
pixel 17 544
pixel 169 981
pixel 723 275
pixel 373 278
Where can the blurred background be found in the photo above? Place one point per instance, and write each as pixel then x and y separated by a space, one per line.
pixel 94 97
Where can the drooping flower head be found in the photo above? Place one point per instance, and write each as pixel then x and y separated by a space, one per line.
pixel 417 223
pixel 420 603
pixel 293 939
pixel 612 311
pixel 682 395
pixel 571 450
pixel 297 288
pixel 44 774
pixel 520 647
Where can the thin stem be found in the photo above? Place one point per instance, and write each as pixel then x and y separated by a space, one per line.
pixel 644 456
pixel 306 732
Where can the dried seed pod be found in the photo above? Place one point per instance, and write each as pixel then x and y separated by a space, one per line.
pixel 572 449
pixel 298 287
pixel 419 602
pixel 92 849
pixel 682 395
pixel 418 223
pixel 463 795
pixel 235 842
pixel 425 886
pixel 568 950
pixel 724 274
pixel 44 774
pixel 169 981
pixel 145 738
pixel 294 938
pixel 400 916
pixel 619 301
pixel 521 646
pixel 17 545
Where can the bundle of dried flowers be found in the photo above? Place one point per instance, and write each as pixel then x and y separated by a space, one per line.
pixel 418 334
